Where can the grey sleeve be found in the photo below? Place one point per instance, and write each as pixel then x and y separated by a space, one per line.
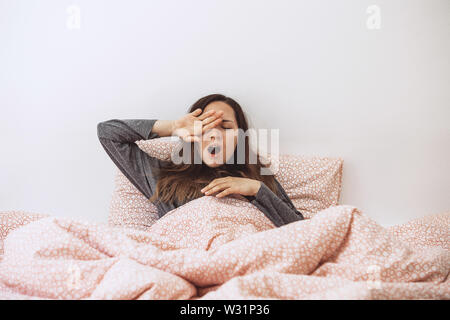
pixel 280 210
pixel 118 139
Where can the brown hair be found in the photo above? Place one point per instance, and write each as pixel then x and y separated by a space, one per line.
pixel 181 182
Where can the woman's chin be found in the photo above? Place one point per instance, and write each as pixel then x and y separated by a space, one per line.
pixel 213 164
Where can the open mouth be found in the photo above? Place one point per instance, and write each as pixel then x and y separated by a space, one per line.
pixel 213 150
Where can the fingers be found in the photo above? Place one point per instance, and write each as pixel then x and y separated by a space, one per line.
pixel 210 114
pixel 211 125
pixel 196 112
pixel 214 183
pixel 218 188
pixel 209 119
pixel 206 114
pixel 225 193
pixel 211 186
pixel 212 118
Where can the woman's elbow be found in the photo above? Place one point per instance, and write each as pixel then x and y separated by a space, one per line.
pixel 104 129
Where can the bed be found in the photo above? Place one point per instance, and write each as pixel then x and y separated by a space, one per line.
pixel 226 248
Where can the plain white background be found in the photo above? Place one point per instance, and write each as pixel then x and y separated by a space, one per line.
pixel 378 98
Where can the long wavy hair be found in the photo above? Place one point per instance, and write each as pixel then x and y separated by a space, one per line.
pixel 183 182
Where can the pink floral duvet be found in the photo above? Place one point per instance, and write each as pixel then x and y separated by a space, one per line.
pixel 225 249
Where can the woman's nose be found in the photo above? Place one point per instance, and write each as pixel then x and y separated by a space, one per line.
pixel 213 135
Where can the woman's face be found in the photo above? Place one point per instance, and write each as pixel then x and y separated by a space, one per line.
pixel 219 143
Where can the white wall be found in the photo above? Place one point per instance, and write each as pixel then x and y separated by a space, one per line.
pixel 377 98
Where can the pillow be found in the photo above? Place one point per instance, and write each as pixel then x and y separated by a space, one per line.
pixel 129 207
pixel 312 183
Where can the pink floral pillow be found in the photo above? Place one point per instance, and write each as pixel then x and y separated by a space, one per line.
pixel 129 207
pixel 312 183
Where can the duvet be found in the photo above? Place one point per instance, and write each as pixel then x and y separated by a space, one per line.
pixel 225 248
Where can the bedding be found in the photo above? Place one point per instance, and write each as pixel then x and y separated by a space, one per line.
pixel 224 248
pixel 312 183
pixel 129 207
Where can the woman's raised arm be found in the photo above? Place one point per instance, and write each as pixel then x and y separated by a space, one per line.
pixel 118 139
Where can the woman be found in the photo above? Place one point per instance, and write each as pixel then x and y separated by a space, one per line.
pixel 220 173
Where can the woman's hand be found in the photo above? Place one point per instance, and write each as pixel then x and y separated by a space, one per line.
pixel 232 185
pixel 184 127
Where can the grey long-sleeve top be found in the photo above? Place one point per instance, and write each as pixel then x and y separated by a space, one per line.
pixel 118 139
